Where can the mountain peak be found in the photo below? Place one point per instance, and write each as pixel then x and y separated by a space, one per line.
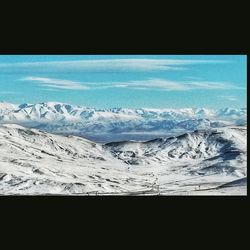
pixel 65 118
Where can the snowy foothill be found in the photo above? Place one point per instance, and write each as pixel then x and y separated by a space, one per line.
pixel 202 162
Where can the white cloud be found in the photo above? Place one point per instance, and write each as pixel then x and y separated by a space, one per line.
pixel 168 85
pixel 55 83
pixel 229 98
pixel 160 84
pixel 209 85
pixel 105 65
pixel 157 84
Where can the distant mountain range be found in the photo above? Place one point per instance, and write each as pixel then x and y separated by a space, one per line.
pixel 117 123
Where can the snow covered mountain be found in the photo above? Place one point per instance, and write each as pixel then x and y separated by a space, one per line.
pixel 219 150
pixel 36 162
pixel 99 124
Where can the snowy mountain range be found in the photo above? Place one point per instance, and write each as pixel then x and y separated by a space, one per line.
pixel 117 123
pixel 37 162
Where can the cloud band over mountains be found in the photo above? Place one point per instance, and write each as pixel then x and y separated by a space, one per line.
pixel 157 84
pixel 105 65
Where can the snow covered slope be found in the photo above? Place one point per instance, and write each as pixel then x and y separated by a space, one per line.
pixel 99 124
pixel 207 151
pixel 36 162
pixel 6 108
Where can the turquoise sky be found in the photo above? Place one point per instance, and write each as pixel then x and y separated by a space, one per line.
pixel 130 81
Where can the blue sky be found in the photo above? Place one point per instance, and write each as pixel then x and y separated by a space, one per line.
pixel 131 81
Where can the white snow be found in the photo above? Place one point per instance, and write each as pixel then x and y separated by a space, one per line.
pixel 65 118
pixel 33 162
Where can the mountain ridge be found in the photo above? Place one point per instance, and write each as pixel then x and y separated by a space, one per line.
pixel 62 118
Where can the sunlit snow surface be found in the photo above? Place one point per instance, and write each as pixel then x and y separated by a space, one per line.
pixel 203 162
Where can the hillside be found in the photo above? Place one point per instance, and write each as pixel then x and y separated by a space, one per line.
pixel 36 162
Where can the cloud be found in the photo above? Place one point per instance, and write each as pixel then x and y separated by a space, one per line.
pixel 55 83
pixel 156 84
pixel 105 65
pixel 168 85
pixel 229 98
pixel 209 85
